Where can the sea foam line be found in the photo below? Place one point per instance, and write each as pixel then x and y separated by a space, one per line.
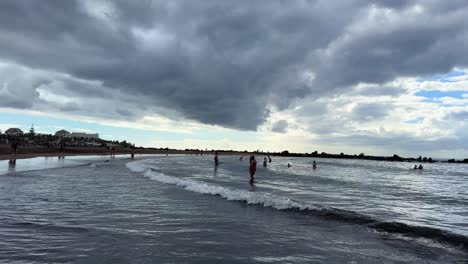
pixel 258 198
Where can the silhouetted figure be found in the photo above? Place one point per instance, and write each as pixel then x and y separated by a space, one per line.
pixel 216 160
pixel 264 162
pixel 314 165
pixel 14 147
pixel 132 154
pixel 289 165
pixel 252 169
pixel 415 167
pixel 241 157
pixel 420 167
pixel 269 159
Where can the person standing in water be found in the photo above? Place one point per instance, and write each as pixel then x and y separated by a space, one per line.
pixel 289 165
pixel 269 159
pixel 216 160
pixel 314 165
pixel 14 147
pixel 264 162
pixel 252 169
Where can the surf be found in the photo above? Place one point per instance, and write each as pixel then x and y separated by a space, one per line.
pixel 281 203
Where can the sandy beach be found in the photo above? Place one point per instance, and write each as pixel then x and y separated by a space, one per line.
pixel 32 152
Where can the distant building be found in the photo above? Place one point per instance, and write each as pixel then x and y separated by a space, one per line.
pixel 16 132
pixel 62 133
pixel 83 135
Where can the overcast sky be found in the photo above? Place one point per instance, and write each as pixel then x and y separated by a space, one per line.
pixel 379 77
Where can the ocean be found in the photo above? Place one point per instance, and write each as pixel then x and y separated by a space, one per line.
pixel 183 209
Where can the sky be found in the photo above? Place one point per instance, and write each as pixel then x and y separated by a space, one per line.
pixel 375 77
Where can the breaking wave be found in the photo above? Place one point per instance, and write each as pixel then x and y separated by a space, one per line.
pixel 287 204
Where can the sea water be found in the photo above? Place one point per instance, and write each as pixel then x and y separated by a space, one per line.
pixel 183 209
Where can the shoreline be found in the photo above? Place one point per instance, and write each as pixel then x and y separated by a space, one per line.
pixel 28 152
pixel 34 152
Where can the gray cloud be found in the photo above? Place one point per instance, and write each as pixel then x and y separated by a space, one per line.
pixel 18 88
pixel 222 62
pixel 459 116
pixel 378 90
pixel 280 126
pixel 370 111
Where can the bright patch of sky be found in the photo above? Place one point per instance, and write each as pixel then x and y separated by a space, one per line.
pixel 448 77
pixel 141 137
pixel 439 94
pixel 415 121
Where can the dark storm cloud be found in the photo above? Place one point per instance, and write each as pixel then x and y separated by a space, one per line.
pixel 409 45
pixel 224 62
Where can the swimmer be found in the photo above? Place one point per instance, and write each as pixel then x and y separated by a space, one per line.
pixel 269 159
pixel 420 167
pixel 264 162
pixel 314 165
pixel 252 169
pixel 289 165
pixel 415 167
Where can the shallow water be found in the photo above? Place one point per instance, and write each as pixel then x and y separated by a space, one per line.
pixel 180 209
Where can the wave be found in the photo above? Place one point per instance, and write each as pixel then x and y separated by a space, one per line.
pixel 287 204
pixel 52 227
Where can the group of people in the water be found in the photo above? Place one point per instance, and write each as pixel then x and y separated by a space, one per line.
pixel 265 164
pixel 420 167
pixel 253 164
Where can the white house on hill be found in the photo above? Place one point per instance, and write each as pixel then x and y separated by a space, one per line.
pixel 16 132
pixel 62 133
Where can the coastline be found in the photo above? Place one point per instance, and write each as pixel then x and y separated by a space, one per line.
pixel 34 152
pixel 27 152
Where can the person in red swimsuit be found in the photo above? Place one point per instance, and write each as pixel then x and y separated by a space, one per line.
pixel 252 168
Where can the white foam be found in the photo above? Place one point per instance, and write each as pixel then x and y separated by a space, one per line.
pixel 93 165
pixel 137 166
pixel 259 198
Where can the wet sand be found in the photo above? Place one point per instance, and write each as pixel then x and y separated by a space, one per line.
pixel 32 152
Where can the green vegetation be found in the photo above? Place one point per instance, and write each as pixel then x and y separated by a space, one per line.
pixel 33 139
